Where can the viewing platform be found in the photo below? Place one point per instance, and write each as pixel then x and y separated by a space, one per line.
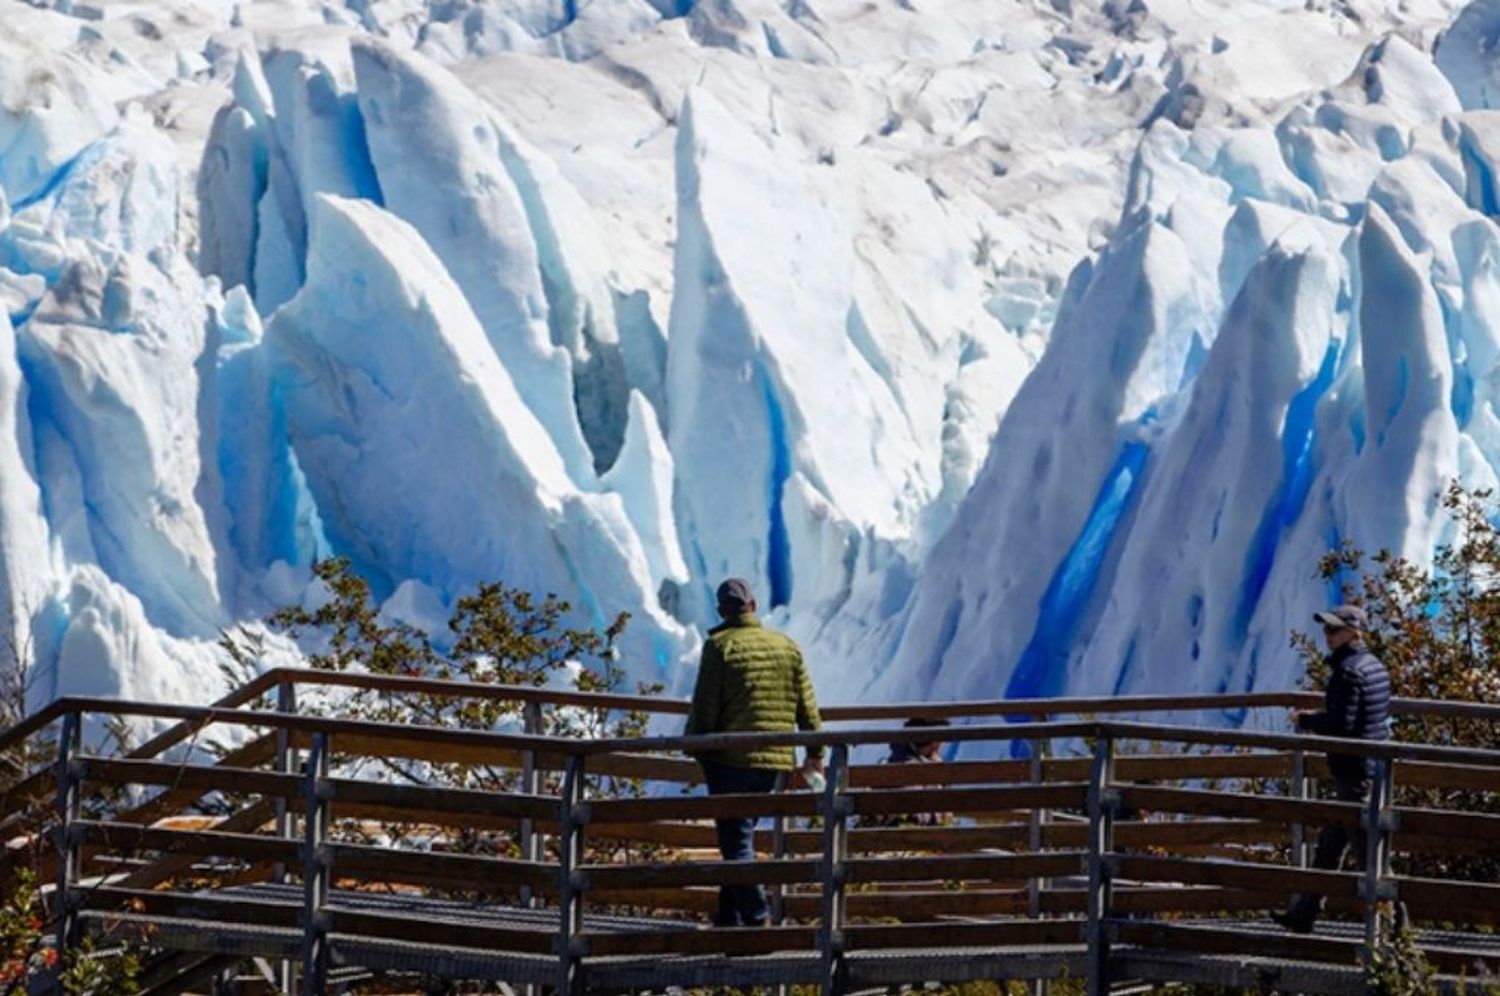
pixel 1111 853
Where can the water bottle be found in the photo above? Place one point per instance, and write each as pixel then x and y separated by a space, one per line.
pixel 815 780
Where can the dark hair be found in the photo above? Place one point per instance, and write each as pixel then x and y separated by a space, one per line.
pixel 920 721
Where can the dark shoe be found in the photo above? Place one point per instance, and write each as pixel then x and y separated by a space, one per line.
pixel 1294 924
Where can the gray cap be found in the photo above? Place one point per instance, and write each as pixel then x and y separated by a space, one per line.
pixel 735 595
pixel 1343 617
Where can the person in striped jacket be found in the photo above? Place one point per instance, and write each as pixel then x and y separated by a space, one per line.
pixel 750 680
pixel 1357 705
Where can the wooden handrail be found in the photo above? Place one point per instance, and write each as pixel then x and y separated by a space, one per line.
pixel 1094 705
pixel 205 715
pixel 38 720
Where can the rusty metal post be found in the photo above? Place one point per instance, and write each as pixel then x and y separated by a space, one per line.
pixel 571 885
pixel 1377 821
pixel 316 869
pixel 1299 789
pixel 778 852
pixel 69 809
pixel 1037 821
pixel 284 826
pixel 835 811
pixel 530 841
pixel 1101 833
pixel 1040 750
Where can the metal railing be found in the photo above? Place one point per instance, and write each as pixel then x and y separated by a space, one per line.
pixel 1108 896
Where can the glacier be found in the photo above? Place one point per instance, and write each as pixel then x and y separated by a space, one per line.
pixel 1008 350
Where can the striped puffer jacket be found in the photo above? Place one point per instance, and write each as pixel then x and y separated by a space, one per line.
pixel 752 679
pixel 1357 703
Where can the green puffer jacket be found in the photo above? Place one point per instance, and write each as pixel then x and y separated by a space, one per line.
pixel 752 679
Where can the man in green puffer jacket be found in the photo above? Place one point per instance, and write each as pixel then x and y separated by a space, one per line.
pixel 750 680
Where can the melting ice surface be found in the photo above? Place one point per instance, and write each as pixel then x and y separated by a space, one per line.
pixel 1008 350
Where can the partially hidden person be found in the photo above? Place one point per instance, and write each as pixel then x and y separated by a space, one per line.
pixel 750 680
pixel 914 752
pixel 1356 704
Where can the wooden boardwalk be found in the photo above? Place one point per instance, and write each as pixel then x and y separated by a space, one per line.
pixel 1153 857
pixel 371 931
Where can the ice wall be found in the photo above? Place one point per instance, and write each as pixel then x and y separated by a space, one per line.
pixel 1008 349
pixel 1271 356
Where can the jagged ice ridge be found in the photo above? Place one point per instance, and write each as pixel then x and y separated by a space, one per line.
pixel 1009 349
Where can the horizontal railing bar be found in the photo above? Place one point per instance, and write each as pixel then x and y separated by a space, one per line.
pixel 978 867
pixel 477 690
pixel 135 837
pixel 34 723
pixel 426 798
pixel 1010 836
pixel 709 743
pixel 197 906
pixel 202 779
pixel 1237 804
pixel 464 871
pixel 874 937
pixel 701 807
pixel 1424 774
pixel 1200 939
pixel 723 940
pixel 198 779
pixel 1446 900
pixel 1175 767
pixel 429 930
pixel 1235 874
pixel 206 715
pixel 250 755
pixel 784 871
pixel 1389 749
pixel 832 713
pixel 1447 823
pixel 38 786
pixel 246 820
pixel 971 800
pixel 236 697
pixel 352 860
pixel 824 738
pixel 1400 706
pixel 190 935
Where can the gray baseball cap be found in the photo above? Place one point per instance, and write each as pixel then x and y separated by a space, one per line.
pixel 735 595
pixel 1343 617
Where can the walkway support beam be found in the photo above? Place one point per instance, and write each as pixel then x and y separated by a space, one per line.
pixel 1101 806
pixel 835 813
pixel 570 884
pixel 316 870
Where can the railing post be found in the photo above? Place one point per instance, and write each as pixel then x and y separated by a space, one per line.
pixel 286 764
pixel 1038 820
pixel 571 885
pixel 1377 851
pixel 778 890
pixel 69 808
pixel 1101 842
pixel 1299 791
pixel 530 842
pixel 778 852
pixel 316 862
pixel 834 808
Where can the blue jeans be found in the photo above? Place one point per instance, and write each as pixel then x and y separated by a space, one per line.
pixel 739 905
